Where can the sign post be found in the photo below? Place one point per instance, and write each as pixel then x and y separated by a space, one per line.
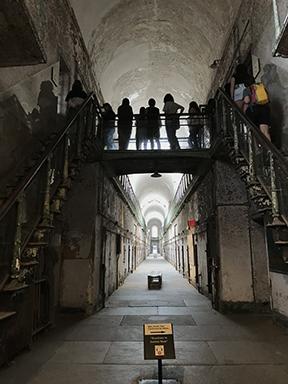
pixel 159 344
pixel 160 371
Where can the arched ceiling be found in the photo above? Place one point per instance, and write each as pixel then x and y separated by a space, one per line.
pixel 146 48
pixel 155 195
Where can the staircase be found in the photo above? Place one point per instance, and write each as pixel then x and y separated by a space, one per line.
pixel 260 165
pixel 27 217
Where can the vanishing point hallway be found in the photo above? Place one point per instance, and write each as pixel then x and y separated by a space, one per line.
pixel 107 347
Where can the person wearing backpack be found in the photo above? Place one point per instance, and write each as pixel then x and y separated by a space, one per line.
pixel 238 84
pixel 257 107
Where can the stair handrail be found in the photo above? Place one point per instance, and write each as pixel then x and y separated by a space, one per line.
pixel 28 178
pixel 256 132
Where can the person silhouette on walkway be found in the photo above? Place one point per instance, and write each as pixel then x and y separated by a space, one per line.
pixel 47 103
pixel 108 126
pixel 76 96
pixel 153 123
pixel 195 123
pixel 172 119
pixel 141 129
pixel 125 119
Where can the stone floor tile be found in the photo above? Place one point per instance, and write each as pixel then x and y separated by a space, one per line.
pixel 129 333
pixel 92 333
pixel 81 352
pixel 102 320
pixel 256 374
pixel 129 311
pixel 212 318
pixel 175 311
pixel 144 303
pixel 246 352
pixel 210 333
pixel 174 319
pixel 126 353
pixel 192 353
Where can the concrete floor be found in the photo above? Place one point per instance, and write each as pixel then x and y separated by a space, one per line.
pixel 107 347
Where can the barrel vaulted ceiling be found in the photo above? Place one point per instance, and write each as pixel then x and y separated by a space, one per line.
pixel 147 48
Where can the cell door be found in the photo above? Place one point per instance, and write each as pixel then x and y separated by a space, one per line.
pixel 196 263
pixel 213 262
pixel 183 257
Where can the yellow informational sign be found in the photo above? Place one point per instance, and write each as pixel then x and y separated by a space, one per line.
pixel 158 341
pixel 158 329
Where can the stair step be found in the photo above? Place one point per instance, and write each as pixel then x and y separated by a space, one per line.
pixel 281 242
pixel 259 196
pixel 34 244
pixel 6 315
pixel 29 263
pixel 14 285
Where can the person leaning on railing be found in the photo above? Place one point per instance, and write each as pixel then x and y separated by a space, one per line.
pixel 195 123
pixel 125 120
pixel 172 120
pixel 108 126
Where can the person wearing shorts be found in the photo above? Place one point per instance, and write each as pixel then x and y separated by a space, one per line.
pixel 259 114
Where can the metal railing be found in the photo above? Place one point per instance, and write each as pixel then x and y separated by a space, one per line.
pixel 194 132
pixel 28 212
pixel 256 155
pixel 184 188
pixel 126 186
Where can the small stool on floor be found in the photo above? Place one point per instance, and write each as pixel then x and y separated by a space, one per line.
pixel 154 280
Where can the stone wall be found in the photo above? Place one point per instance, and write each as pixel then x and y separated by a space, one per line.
pixel 24 125
pixel 102 242
pixel 227 245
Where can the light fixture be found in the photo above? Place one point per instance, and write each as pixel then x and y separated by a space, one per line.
pixel 215 64
pixel 156 175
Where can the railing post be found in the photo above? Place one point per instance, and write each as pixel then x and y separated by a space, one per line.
pixel 251 157
pixel 65 170
pixel 93 128
pixel 15 265
pixel 235 133
pixel 224 117
pixel 79 137
pixel 274 190
pixel 46 222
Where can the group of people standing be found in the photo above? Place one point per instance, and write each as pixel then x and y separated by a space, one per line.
pixel 148 124
pixel 250 97
pixel 148 121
